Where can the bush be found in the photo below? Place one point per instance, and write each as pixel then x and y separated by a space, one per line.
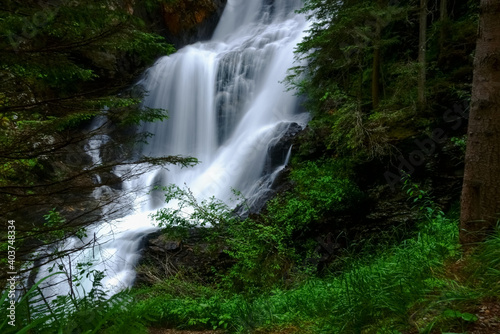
pixel 321 189
pixel 373 295
pixel 265 245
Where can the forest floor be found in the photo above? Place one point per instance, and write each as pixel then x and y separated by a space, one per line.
pixel 175 331
pixel 487 311
pixel 489 319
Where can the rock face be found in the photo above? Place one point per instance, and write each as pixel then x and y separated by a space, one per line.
pixel 278 150
pixel 164 256
pixel 276 155
pixel 189 21
pixel 182 22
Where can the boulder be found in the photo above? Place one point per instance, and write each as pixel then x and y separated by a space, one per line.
pixel 165 255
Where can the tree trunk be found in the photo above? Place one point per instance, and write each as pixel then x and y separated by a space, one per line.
pixel 481 189
pixel 443 10
pixel 421 54
pixel 443 17
pixel 376 61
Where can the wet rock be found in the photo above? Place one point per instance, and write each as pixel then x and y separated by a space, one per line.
pixel 189 21
pixel 112 180
pixel 163 244
pixel 164 255
pixel 275 158
pixel 182 22
pixel 106 62
pixel 278 151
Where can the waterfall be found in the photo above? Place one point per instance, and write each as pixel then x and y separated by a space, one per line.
pixel 226 107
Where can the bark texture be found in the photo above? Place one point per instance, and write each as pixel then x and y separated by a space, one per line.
pixel 481 189
pixel 376 62
pixel 422 42
pixel 443 17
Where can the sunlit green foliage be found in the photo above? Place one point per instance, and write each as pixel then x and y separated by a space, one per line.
pixel 373 293
pixel 400 289
pixel 321 188
pixel 266 247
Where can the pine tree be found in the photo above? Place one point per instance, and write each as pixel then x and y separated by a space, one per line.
pixel 60 68
pixel 481 187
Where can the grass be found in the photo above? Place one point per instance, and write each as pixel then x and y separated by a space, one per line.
pixel 421 285
pixel 376 292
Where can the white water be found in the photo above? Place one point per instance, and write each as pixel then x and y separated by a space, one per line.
pixel 226 106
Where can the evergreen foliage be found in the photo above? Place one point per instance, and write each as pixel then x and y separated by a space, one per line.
pixel 360 83
pixel 63 64
pixel 339 81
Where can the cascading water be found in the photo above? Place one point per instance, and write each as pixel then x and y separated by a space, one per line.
pixel 226 107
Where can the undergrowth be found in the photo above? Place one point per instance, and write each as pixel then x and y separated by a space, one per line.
pixel 371 294
pixel 34 313
pixel 404 287
pixel 423 284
